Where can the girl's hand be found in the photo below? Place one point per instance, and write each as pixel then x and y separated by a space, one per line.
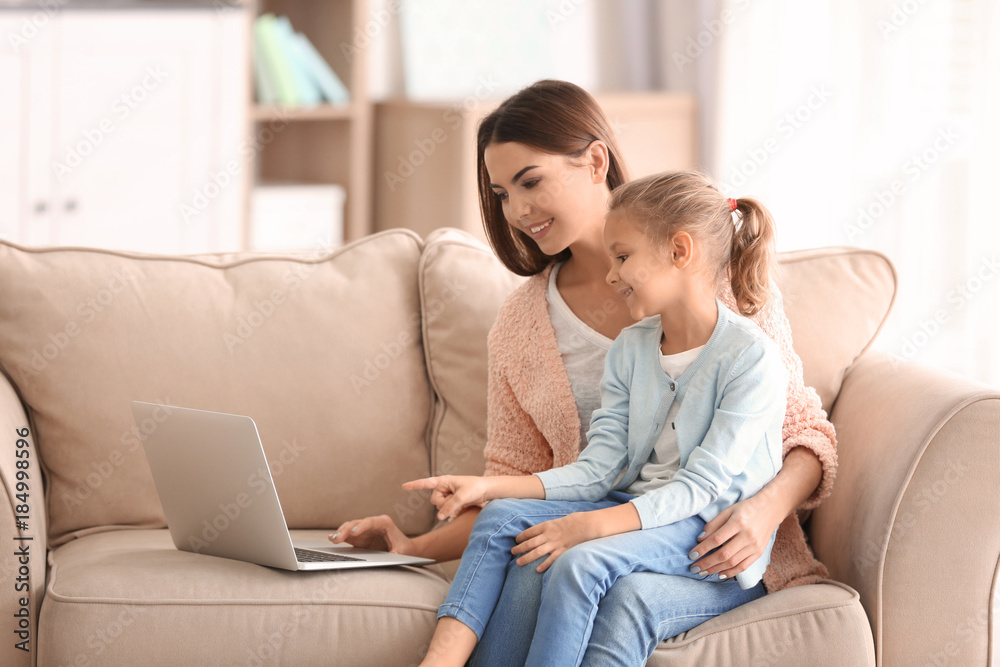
pixel 453 493
pixel 374 532
pixel 738 535
pixel 553 537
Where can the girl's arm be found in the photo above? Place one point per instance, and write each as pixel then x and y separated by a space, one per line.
pixel 454 493
pixel 552 538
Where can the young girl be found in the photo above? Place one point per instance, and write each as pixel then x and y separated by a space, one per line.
pixel 692 405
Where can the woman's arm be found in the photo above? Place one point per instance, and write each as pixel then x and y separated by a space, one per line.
pixel 744 529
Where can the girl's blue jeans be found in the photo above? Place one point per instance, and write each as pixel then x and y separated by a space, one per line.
pixel 578 594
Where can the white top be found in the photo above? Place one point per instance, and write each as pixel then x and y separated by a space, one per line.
pixel 583 351
pixel 665 459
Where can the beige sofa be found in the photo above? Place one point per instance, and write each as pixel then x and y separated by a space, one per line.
pixel 365 367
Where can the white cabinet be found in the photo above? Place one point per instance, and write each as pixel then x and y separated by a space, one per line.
pixel 12 79
pixel 130 123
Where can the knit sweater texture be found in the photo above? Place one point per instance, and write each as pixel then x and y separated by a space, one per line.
pixel 533 424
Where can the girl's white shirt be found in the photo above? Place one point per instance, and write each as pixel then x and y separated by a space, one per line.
pixel 583 351
pixel 665 460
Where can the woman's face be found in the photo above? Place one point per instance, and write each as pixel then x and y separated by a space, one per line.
pixel 551 198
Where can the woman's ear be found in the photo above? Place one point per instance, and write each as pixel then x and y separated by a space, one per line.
pixel 681 248
pixel 597 161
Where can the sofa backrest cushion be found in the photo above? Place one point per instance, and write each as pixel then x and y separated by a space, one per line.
pixel 462 285
pixel 836 300
pixel 322 350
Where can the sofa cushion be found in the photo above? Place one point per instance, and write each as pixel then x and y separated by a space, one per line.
pixel 462 285
pixel 821 625
pixel 836 300
pixel 116 599
pixel 322 350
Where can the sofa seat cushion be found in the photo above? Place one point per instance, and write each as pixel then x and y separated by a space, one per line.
pixel 821 625
pixel 129 597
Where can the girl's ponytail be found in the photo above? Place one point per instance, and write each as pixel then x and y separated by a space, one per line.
pixel 752 256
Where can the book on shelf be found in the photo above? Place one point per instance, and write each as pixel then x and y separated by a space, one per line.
pixel 288 70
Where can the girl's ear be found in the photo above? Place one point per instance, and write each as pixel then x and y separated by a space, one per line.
pixel 681 249
pixel 597 161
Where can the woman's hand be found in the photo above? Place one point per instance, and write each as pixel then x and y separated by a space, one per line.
pixel 552 538
pixel 738 535
pixel 374 532
pixel 453 493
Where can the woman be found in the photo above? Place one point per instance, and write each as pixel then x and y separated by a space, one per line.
pixel 547 162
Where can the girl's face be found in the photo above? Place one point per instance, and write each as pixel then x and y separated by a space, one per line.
pixel 551 198
pixel 645 276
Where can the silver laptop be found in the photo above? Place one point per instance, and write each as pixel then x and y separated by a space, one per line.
pixel 219 498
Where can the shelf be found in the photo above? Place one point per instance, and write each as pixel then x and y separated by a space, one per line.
pixel 262 112
pixel 325 144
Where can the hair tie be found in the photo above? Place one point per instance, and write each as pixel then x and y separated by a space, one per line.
pixel 732 204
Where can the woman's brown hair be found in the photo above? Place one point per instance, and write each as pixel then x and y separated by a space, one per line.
pixel 555 117
pixel 740 247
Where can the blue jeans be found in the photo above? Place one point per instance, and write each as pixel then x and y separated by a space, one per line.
pixel 573 588
pixel 640 611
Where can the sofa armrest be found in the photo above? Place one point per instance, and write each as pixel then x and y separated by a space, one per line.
pixel 912 523
pixel 22 576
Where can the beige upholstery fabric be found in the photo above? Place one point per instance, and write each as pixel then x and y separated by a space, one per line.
pixel 912 522
pixel 836 300
pixel 783 628
pixel 323 351
pixel 462 285
pixel 130 598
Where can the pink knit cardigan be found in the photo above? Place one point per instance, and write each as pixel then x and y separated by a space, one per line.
pixel 533 425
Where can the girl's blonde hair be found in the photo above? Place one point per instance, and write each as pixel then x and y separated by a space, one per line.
pixel 739 248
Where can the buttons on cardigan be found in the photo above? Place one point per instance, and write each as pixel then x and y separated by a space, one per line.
pixel 673 387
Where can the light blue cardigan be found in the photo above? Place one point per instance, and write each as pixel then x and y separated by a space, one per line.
pixel 728 426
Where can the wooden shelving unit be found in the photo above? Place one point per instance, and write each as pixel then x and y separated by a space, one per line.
pixel 433 187
pixel 326 143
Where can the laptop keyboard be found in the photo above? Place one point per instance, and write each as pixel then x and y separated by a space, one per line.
pixel 308 556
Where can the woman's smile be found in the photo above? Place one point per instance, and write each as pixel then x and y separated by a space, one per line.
pixel 538 230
